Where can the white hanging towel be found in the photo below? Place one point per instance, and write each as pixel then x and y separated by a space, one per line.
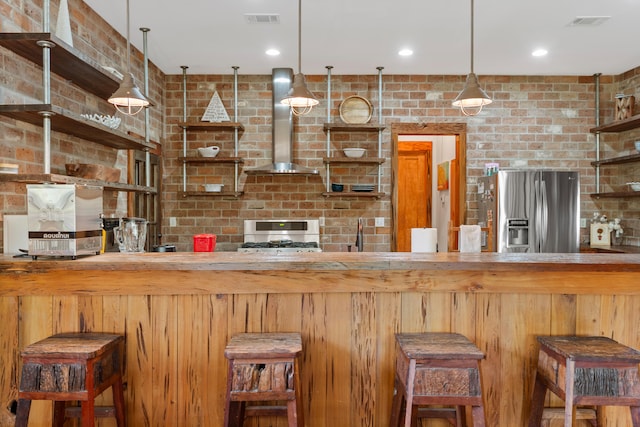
pixel 424 240
pixel 469 238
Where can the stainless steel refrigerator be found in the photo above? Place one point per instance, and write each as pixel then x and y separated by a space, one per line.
pixel 532 210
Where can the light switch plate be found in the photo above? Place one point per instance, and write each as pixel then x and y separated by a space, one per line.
pixel 379 222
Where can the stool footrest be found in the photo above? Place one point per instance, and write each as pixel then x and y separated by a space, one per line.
pixel 558 414
pixel 99 411
pixel 265 411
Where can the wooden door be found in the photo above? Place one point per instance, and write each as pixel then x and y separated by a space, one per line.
pixel 414 190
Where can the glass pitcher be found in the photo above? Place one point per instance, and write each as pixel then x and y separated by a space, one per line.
pixel 131 235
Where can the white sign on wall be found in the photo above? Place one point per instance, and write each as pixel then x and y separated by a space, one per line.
pixel 215 112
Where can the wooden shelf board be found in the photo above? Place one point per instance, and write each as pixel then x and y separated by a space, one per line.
pixel 617 160
pixel 366 127
pixel 616 194
pixel 219 126
pixel 351 160
pixel 216 159
pixel 371 194
pixel 73 124
pixel 619 126
pixel 66 62
pixel 211 194
pixel 65 179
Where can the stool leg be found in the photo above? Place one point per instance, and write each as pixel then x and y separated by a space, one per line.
pixel 635 415
pixel 88 415
pixel 537 402
pixel 478 416
pixel 396 405
pixel 22 412
pixel 118 402
pixel 58 413
pixel 461 417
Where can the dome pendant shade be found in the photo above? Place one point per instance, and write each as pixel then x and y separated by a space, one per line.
pixel 299 97
pixel 128 99
pixel 472 98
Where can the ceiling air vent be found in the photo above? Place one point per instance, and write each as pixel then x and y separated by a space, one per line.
pixel 588 21
pixel 262 18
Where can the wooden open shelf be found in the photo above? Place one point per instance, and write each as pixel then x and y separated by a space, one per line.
pixel 617 160
pixel 616 194
pixel 366 127
pixel 66 61
pixel 216 126
pixel 354 161
pixel 619 126
pixel 217 159
pixel 233 194
pixel 71 123
pixel 370 194
pixel 46 178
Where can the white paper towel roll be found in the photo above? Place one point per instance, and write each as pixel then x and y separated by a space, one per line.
pixel 424 240
pixel 469 238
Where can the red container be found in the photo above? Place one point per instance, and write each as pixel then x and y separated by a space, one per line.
pixel 204 242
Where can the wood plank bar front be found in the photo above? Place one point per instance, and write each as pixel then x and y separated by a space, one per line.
pixel 178 311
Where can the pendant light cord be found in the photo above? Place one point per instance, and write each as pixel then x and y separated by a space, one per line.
pixel 471 35
pixel 129 41
pixel 299 36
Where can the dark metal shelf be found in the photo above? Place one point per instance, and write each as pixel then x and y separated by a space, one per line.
pixel 216 159
pixel 617 160
pixel 355 161
pixel 616 194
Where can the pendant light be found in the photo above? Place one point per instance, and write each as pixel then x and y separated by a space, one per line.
pixel 472 98
pixel 300 98
pixel 128 99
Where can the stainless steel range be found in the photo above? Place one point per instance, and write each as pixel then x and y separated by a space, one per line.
pixel 281 236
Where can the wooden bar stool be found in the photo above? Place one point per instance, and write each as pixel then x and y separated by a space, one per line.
pixel 436 369
pixel 72 367
pixel 263 367
pixel 595 371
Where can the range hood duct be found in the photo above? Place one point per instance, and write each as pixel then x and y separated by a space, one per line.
pixel 281 131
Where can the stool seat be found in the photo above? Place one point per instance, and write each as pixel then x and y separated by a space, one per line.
pixel 596 371
pixel 436 369
pixel 72 367
pixel 263 367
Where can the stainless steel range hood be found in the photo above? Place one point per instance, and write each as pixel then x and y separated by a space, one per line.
pixel 281 132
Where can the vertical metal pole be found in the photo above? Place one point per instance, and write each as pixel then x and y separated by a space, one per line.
pixel 597 94
pixel 46 87
pixel 327 166
pixel 380 124
pixel 235 129
pixel 184 127
pixel 146 110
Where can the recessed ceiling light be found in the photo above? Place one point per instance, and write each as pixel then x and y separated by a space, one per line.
pixel 272 52
pixel 405 52
pixel 539 52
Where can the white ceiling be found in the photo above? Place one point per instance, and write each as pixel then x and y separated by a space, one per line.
pixel 356 36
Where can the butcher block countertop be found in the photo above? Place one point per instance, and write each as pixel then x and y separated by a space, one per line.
pixel 185 273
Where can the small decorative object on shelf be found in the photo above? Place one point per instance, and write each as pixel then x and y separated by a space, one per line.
pixel 112 122
pixel 355 110
pixel 215 112
pixel 616 231
pixel 624 106
pixel 63 24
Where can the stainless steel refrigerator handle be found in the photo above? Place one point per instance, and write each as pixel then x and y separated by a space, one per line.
pixel 538 210
pixel 544 220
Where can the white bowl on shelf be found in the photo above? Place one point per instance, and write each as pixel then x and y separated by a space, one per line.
pixel 637 144
pixel 354 152
pixel 213 188
pixel 209 151
pixel 635 186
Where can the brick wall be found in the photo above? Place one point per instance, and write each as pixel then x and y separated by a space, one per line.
pixel 535 121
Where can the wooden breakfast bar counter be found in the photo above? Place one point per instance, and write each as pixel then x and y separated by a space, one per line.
pixel 178 310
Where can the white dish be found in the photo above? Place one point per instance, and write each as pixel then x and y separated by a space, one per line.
pixel 213 188
pixel 209 151
pixel 635 186
pixel 637 144
pixel 354 152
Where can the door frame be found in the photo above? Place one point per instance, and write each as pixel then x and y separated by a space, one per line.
pixel 459 130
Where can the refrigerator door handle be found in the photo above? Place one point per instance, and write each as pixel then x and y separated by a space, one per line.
pixel 538 218
pixel 544 217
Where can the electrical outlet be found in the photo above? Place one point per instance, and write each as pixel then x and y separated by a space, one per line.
pixel 172 221
pixel 321 221
pixel 583 222
pixel 379 222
